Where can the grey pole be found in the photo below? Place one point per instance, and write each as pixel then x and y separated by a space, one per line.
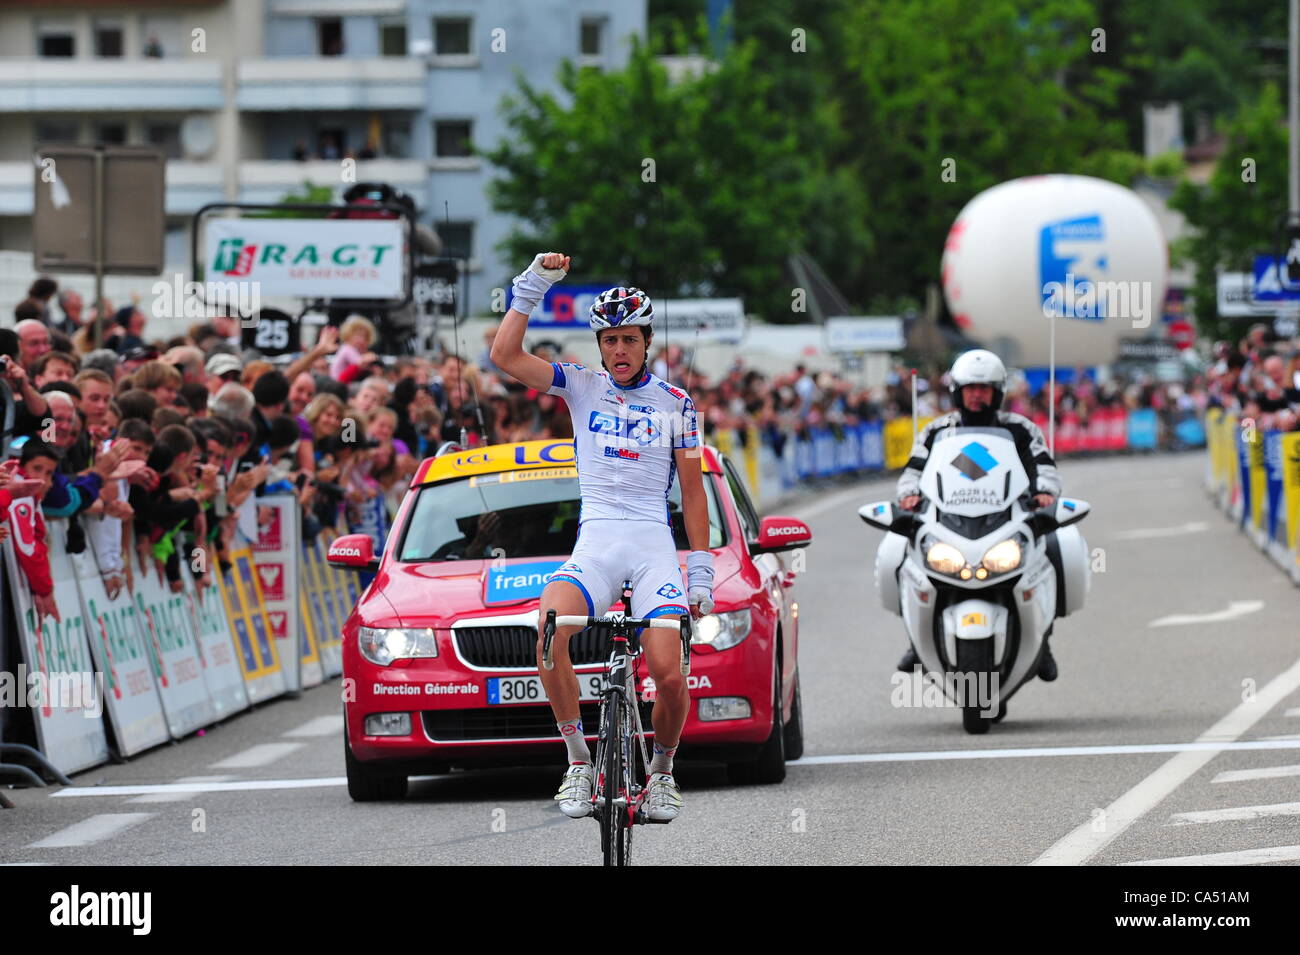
pixel 98 226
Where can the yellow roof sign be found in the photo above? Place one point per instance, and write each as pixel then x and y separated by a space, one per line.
pixel 508 457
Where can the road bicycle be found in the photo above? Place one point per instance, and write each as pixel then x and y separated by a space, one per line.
pixel 621 752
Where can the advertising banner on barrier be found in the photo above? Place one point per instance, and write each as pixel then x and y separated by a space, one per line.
pixel 1214 470
pixel 331 628
pixel 1143 429
pixel 56 679
pixel 1258 480
pixel 1291 498
pixel 275 557
pixel 164 621
pixel 130 694
pixel 311 587
pixel 873 445
pixel 254 650
pixel 898 440
pixel 216 645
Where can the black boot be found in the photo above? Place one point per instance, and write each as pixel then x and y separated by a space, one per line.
pixel 1047 664
pixel 910 660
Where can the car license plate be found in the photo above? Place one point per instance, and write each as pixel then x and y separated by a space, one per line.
pixel 529 689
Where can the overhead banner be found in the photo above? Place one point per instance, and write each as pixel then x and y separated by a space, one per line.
pixel 216 646
pixel 164 621
pixel 307 258
pixel 130 695
pixel 852 334
pixel 565 307
pixel 57 678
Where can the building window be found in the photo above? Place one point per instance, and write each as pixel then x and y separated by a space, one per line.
pixel 451 36
pixel 160 36
pixel 591 41
pixel 108 39
pixel 57 132
pixel 56 39
pixel 110 134
pixel 457 239
pixel 329 36
pixel 452 138
pixel 331 143
pixel 392 37
pixel 166 136
pixel 397 138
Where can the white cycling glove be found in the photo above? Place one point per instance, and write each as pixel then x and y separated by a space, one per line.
pixel 532 284
pixel 699 579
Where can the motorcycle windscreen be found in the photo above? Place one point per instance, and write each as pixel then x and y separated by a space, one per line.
pixel 972 471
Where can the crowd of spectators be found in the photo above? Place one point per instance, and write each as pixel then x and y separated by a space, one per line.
pixel 166 444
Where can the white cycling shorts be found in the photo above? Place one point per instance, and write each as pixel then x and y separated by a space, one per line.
pixel 610 552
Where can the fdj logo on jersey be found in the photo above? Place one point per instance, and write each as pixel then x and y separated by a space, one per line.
pixel 636 428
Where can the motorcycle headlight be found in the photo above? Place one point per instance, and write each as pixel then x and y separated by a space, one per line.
pixel 1003 556
pixel 384 645
pixel 944 558
pixel 722 630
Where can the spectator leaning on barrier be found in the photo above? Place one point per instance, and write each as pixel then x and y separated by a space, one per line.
pixel 21 488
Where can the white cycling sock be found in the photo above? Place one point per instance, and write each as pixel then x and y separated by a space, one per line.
pixel 576 743
pixel 662 760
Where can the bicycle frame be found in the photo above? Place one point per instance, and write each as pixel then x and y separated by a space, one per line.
pixel 619 791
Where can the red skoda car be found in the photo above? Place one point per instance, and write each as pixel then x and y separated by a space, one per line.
pixel 441 646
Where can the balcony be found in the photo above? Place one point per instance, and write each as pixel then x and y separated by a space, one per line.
pixel 269 180
pixel 189 186
pixel 51 86
pixel 333 83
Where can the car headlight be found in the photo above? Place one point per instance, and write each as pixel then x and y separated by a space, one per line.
pixel 384 645
pixel 722 630
pixel 1003 556
pixel 944 558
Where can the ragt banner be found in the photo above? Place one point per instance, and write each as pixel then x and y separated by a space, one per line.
pixel 306 258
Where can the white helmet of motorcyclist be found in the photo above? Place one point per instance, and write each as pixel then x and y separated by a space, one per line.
pixel 978 367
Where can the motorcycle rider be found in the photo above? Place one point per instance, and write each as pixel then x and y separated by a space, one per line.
pixel 978 380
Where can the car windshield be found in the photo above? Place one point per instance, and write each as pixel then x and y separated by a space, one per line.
pixel 515 514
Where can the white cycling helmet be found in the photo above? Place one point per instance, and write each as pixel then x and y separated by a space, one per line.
pixel 620 306
pixel 978 367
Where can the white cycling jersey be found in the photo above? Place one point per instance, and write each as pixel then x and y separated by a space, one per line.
pixel 624 439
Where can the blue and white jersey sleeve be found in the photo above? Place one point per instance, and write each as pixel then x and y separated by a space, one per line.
pixel 572 381
pixel 686 427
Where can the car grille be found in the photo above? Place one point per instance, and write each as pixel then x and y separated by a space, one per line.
pixel 506 647
pixel 511 722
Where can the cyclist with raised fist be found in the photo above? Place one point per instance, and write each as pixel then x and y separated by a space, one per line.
pixel 633 433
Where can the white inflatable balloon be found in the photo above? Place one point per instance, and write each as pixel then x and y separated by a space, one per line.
pixel 1084 249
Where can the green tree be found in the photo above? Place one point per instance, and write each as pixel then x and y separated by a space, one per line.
pixel 1236 214
pixel 310 195
pixel 687 187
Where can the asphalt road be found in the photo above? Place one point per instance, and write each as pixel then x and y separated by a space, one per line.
pixel 1168 742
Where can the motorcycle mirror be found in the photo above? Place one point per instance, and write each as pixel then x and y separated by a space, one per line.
pixel 1070 511
pixel 879 514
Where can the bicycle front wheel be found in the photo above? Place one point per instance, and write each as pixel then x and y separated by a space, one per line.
pixel 611 827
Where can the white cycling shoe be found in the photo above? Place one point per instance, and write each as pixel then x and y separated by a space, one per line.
pixel 576 787
pixel 663 800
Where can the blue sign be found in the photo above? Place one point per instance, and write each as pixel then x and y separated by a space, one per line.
pixel 564 306
pixel 1269 282
pixel 1143 429
pixel 515 583
pixel 873 445
pixel 1071 259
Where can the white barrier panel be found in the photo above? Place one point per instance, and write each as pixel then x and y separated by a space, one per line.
pixel 130 692
pixel 275 556
pixel 216 646
pixel 69 707
pixel 164 621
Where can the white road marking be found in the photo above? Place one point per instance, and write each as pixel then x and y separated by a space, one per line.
pixel 1246 775
pixel 95 829
pixel 1147 533
pixel 180 795
pixel 1083 843
pixel 1128 749
pixel 1236 608
pixel 236 786
pixel 320 726
pixel 1246 857
pixel 259 755
pixel 1235 814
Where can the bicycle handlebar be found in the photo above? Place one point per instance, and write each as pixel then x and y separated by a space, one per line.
pixel 554 621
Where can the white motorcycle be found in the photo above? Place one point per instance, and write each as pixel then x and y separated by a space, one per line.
pixel 978 577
